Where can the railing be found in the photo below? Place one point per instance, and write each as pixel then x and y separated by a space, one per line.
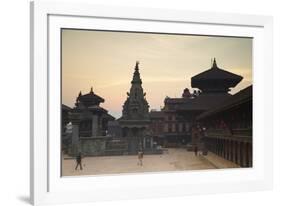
pixel 233 132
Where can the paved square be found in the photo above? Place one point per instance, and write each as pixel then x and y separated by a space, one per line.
pixel 171 160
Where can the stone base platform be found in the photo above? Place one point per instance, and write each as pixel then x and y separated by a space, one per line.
pixel 217 161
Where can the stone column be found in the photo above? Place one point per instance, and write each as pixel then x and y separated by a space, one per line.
pixel 75 143
pixel 75 132
pixel 224 148
pixel 238 153
pixel 131 142
pixel 95 125
pixel 243 152
pixel 213 145
pixel 221 148
pixel 247 155
pixel 235 151
pixel 250 155
pixel 218 146
pixel 230 150
pixel 144 145
pixel 227 150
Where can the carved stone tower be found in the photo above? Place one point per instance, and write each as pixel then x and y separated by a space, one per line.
pixel 135 117
pixel 136 106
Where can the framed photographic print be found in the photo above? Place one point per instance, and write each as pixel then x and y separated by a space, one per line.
pixel 138 103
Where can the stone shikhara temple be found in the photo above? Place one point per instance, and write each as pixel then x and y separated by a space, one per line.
pixel 210 118
pixel 135 117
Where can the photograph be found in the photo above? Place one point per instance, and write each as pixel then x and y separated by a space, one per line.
pixel 143 102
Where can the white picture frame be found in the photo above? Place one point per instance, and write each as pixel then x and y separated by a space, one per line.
pixel 47 186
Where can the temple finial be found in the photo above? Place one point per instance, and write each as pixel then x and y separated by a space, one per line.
pixel 137 65
pixel 215 63
pixel 80 94
pixel 91 90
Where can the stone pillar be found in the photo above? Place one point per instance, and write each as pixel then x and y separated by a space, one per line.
pixel 217 146
pixel 212 145
pixel 243 152
pixel 144 145
pixel 247 155
pixel 250 155
pixel 224 148
pixel 133 143
pixel 230 151
pixel 75 143
pixel 221 148
pixel 235 152
pixel 238 153
pixel 95 125
pixel 75 133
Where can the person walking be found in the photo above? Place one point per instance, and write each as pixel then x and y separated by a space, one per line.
pixel 79 161
pixel 140 157
pixel 195 150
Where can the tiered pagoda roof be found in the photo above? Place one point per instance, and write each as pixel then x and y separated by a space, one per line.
pixel 90 99
pixel 215 80
pixel 89 103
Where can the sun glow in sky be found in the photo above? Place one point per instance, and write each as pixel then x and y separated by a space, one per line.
pixel 106 60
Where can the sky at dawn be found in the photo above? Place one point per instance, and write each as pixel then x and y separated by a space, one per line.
pixel 106 61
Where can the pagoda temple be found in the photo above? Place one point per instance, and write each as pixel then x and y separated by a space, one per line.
pixel 180 113
pixel 89 122
pixel 135 116
pixel 94 118
pixel 215 80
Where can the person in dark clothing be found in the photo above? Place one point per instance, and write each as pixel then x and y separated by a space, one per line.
pixel 195 150
pixel 79 161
